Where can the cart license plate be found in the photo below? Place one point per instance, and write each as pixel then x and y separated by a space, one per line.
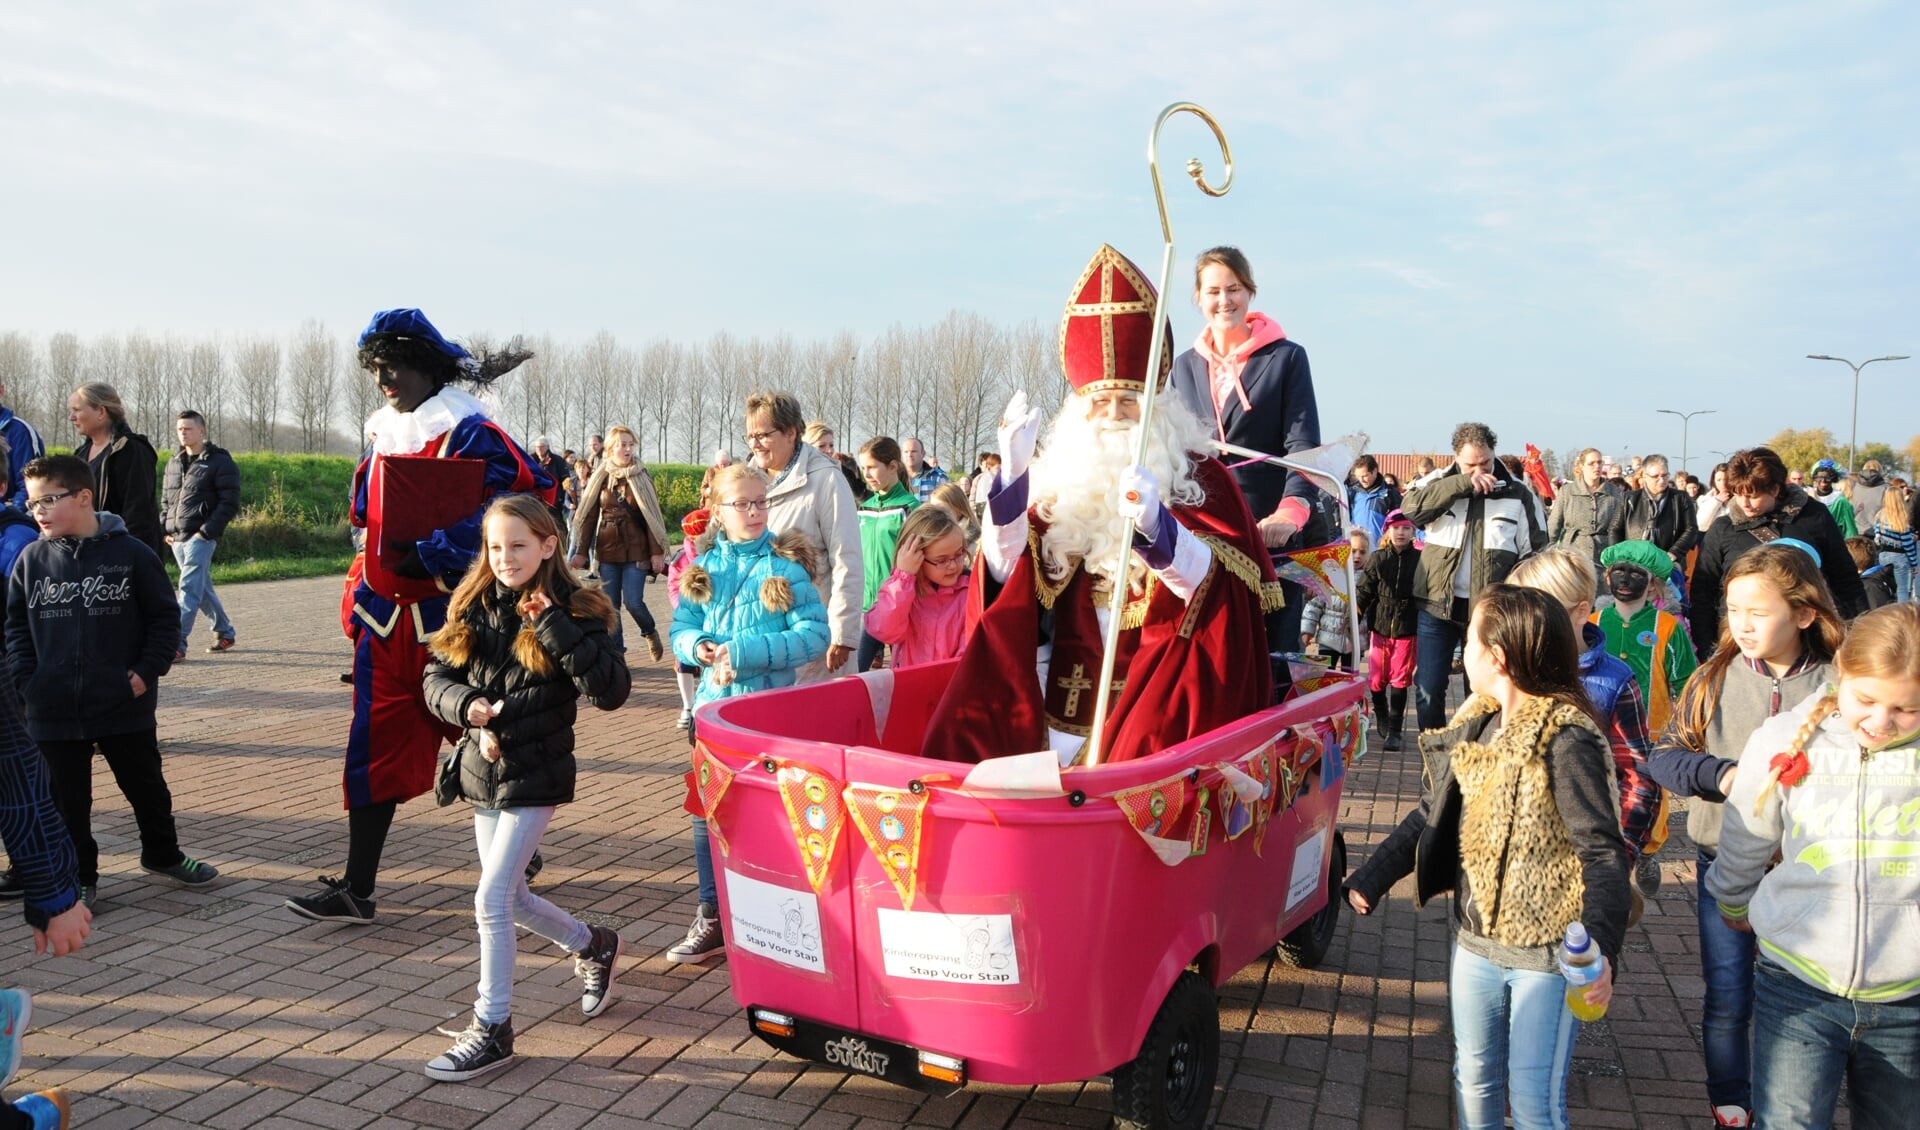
pixel 855 1052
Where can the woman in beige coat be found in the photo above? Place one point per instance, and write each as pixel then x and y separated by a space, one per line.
pixel 619 518
pixel 806 493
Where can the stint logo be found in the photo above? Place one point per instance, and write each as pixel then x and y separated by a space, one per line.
pixel 854 1055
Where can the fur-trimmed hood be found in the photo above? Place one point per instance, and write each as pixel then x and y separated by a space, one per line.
pixel 453 643
pixel 776 594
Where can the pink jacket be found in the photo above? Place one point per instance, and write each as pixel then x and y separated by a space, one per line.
pixel 681 559
pixel 924 624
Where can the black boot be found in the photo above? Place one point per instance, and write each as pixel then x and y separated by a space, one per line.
pixel 1380 714
pixel 1396 717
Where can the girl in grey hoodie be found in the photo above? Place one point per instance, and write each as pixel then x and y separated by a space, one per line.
pixel 1832 791
pixel 1775 647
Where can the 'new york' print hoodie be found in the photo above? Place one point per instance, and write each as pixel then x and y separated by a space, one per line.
pixel 81 614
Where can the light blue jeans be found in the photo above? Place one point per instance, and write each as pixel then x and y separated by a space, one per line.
pixel 1902 574
pixel 194 555
pixel 507 839
pixel 1512 1042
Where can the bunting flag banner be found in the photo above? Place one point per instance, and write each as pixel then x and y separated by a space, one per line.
pixel 1202 824
pixel 1341 743
pixel 1248 789
pixel 1322 570
pixel 816 813
pixel 1154 811
pixel 711 778
pixel 890 821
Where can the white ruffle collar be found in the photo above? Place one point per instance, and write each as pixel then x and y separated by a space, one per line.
pixel 403 433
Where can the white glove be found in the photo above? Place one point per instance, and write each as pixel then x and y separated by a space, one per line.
pixel 1019 433
pixel 1140 500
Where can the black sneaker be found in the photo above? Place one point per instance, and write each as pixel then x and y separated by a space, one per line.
pixel 188 872
pixel 480 1049
pixel 595 967
pixel 534 867
pixel 334 904
pixel 704 941
pixel 12 886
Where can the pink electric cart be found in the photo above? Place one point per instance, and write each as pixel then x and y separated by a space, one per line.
pixel 888 916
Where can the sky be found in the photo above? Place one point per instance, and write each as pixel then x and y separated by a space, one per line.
pixel 1555 218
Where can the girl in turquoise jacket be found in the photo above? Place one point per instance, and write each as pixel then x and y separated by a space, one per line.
pixel 748 617
pixel 748 613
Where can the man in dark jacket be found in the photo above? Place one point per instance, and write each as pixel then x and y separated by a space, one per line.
pixel 1765 506
pixel 1660 514
pixel 91 627
pixel 200 496
pixel 1480 522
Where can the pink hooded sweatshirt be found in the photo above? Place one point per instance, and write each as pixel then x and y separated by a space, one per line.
pixel 922 623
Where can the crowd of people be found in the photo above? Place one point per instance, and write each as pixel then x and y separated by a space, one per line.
pixel 1623 639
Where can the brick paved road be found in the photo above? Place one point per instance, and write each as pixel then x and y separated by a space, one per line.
pixel 221 1009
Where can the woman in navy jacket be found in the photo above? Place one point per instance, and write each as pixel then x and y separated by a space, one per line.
pixel 1257 389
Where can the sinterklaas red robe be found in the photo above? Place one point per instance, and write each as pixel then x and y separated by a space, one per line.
pixel 1185 666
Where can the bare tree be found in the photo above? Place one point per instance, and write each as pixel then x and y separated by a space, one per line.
pixel 363 397
pixel 257 365
pixel 207 380
pixel 20 376
pixel 64 374
pixel 660 361
pixel 313 373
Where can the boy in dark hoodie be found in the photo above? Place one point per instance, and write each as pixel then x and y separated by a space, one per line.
pixel 91 627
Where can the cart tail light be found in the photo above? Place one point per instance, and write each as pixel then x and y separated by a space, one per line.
pixel 772 1023
pixel 945 1068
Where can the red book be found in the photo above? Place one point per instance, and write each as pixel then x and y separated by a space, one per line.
pixel 408 498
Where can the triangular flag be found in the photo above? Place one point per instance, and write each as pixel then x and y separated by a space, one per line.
pixel 890 820
pixel 711 779
pixel 816 813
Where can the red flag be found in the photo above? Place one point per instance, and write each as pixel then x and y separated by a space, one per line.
pixel 1536 469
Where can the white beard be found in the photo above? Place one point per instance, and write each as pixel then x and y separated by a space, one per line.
pixel 1076 474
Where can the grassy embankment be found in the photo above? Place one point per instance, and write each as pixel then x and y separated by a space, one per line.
pixel 293 515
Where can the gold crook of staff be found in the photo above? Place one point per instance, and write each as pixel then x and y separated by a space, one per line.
pixel 1117 603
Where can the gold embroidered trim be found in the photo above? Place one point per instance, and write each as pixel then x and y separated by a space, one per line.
pixel 1191 620
pixel 1243 567
pixel 1044 586
pixel 1273 596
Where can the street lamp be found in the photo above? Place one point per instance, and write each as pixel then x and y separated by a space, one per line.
pixel 1854 435
pixel 1686 421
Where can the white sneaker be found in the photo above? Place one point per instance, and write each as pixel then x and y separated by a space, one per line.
pixel 1728 1114
pixel 686 719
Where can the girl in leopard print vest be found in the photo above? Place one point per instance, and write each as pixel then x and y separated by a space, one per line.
pixel 1520 822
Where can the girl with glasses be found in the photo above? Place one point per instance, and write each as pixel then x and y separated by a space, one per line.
pixel 748 618
pixel 921 608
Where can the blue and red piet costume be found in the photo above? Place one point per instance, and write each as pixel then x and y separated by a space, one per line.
pixel 393 744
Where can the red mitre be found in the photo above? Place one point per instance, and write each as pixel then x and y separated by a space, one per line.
pixel 1106 336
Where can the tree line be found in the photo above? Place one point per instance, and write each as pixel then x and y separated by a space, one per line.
pixel 303 392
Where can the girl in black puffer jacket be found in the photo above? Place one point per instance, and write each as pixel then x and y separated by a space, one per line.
pixel 522 643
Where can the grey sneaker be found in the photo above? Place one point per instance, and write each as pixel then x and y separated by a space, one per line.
pixel 1646 874
pixel 595 968
pixel 333 904
pixel 481 1049
pixel 12 886
pixel 188 872
pixel 704 941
